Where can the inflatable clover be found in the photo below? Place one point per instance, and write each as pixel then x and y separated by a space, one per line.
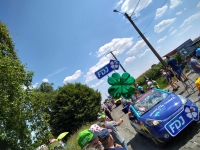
pixel 121 85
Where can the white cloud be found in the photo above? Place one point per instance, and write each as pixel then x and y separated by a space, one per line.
pixel 97 84
pixel 119 3
pixel 56 72
pixel 163 25
pixel 162 39
pixel 198 5
pixel 142 54
pixel 171 29
pixel 45 80
pixel 120 44
pixel 173 32
pixel 190 19
pixel 175 3
pixel 129 59
pixel 184 30
pixel 138 46
pixel 161 11
pixel 129 5
pixel 178 13
pixel 73 77
pixel 90 53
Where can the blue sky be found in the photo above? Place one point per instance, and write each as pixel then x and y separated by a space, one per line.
pixel 67 41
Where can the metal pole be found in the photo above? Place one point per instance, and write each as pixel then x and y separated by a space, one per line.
pixel 144 38
pixel 116 59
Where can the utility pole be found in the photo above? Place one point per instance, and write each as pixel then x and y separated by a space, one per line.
pixel 144 38
pixel 117 60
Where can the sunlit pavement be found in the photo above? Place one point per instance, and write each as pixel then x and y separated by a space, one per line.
pixel 188 139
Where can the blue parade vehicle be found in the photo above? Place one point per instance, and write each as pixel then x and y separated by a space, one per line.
pixel 161 115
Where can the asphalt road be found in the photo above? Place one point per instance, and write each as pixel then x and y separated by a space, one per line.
pixel 188 139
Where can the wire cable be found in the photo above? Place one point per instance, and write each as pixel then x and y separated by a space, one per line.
pixel 144 6
pixel 145 12
pixel 153 17
pixel 135 8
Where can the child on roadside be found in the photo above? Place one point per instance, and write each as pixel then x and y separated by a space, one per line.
pixel 155 84
pixel 169 79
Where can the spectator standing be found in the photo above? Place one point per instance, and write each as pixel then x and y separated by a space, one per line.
pixel 169 79
pixel 172 62
pixel 107 105
pixel 112 101
pixel 195 65
pixel 155 84
pixel 107 112
pixel 140 89
pixel 107 140
pixel 149 84
pixel 173 74
pixel 115 133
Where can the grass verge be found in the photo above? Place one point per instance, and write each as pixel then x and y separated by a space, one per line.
pixel 72 143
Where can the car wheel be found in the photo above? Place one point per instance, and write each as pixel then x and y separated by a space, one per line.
pixel 158 143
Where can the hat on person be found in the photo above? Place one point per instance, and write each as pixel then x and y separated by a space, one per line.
pixel 95 128
pixel 85 137
pixel 104 134
pixel 102 116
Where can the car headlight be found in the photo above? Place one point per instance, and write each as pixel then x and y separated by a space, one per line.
pixel 183 99
pixel 152 122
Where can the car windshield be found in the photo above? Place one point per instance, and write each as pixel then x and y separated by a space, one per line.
pixel 149 100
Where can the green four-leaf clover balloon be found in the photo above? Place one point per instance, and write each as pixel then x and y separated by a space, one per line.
pixel 121 85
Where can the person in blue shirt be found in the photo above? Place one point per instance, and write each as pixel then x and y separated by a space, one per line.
pixel 140 89
pixel 172 63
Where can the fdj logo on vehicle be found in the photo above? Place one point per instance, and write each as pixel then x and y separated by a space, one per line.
pixel 179 122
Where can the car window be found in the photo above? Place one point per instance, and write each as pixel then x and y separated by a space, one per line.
pixel 149 100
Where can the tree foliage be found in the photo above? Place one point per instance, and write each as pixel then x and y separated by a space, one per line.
pixel 45 87
pixel 74 105
pixel 178 57
pixel 21 114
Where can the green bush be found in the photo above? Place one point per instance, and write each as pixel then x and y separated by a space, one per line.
pixel 74 105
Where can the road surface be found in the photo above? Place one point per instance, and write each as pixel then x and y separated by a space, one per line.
pixel 188 139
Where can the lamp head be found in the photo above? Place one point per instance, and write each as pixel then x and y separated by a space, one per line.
pixel 115 10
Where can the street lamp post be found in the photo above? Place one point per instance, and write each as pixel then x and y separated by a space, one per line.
pixel 143 37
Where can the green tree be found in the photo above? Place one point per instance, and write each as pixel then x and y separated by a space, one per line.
pixel 46 87
pixel 74 105
pixel 12 77
pixel 20 108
